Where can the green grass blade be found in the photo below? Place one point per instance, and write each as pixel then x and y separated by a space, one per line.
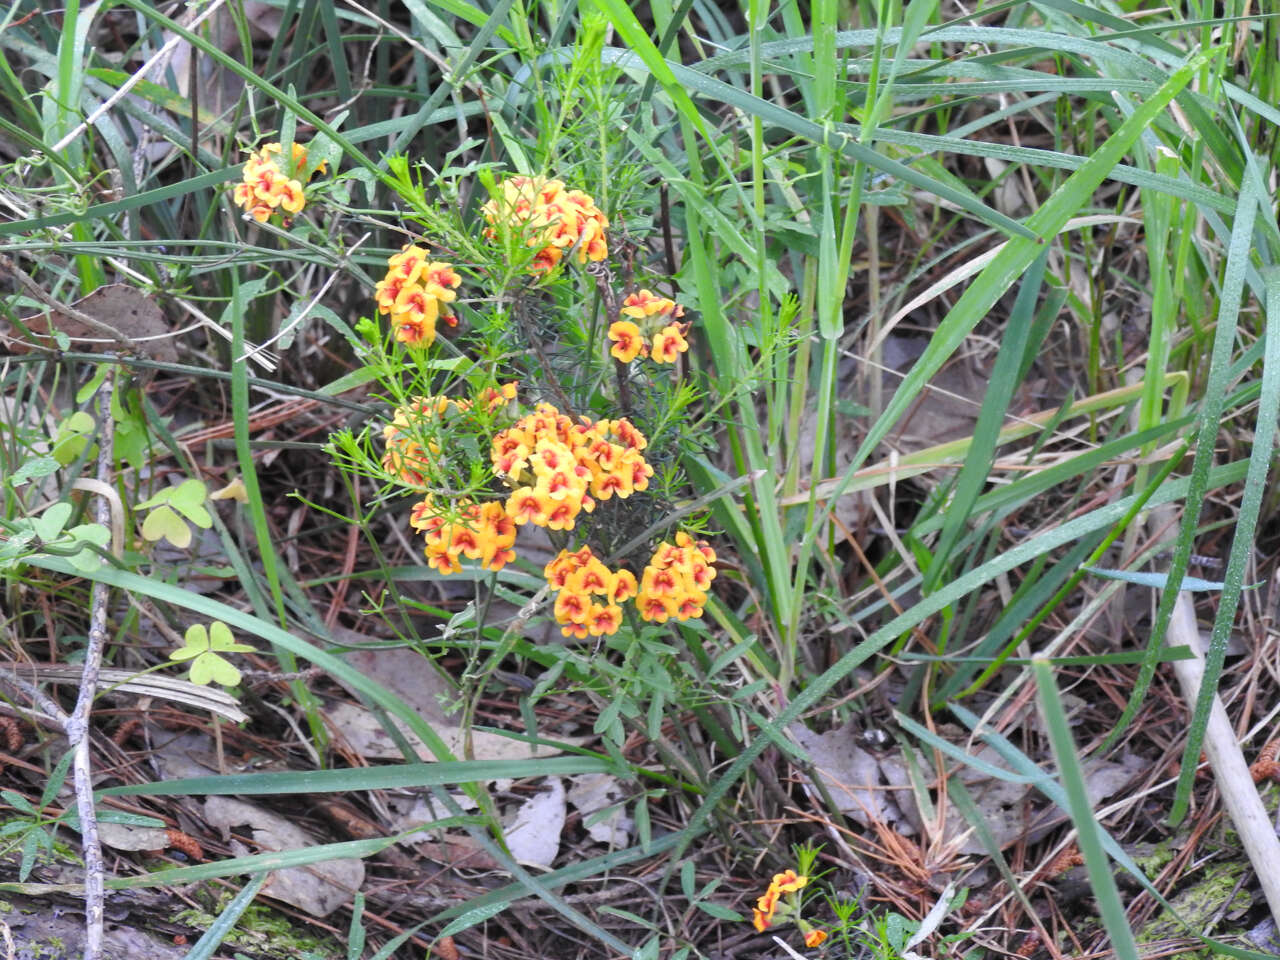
pixel 1088 832
pixel 365 778
pixel 207 945
pixel 1242 544
pixel 1209 416
pixel 1004 380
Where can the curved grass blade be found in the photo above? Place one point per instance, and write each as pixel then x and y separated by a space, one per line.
pixel 1239 252
pixel 1241 544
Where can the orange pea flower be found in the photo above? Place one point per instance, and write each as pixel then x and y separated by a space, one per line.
pixel 627 342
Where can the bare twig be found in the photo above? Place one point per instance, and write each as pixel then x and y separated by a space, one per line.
pixel 526 328
pixel 76 726
pixel 78 722
pixel 604 285
pixel 1230 771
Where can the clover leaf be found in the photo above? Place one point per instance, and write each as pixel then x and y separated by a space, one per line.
pixel 87 559
pixel 169 507
pixel 204 648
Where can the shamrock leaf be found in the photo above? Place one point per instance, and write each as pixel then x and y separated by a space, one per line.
pixel 204 648
pixel 164 522
pixel 188 499
pixel 33 469
pixel 169 506
pixel 88 560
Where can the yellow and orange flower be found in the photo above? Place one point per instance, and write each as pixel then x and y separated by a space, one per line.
pixel 651 331
pixel 416 292
pixel 557 468
pixel 668 344
pixel 266 188
pixel 815 938
pixel 560 467
pixel 553 220
pixel 476 531
pixel 780 903
pixel 407 437
pixel 579 577
pixel 627 341
pixel 643 304
pixel 674 584
pixel 788 882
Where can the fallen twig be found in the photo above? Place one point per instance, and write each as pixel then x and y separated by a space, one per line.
pixel 77 726
pixel 1230 771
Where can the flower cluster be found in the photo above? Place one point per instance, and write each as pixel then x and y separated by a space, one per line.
pixel 675 582
pixel 560 467
pixel 477 531
pixel 404 457
pixel 580 579
pixel 267 188
pixel 416 292
pixel 656 316
pixel 773 908
pixel 554 220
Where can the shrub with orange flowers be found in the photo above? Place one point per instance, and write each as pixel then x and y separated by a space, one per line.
pixel 267 188
pixel 651 331
pixel 545 467
pixel 551 219
pixel 558 467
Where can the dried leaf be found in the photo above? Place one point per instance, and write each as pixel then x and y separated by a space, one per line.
pixel 119 836
pixel 850 774
pixel 592 793
pixel 320 888
pixel 365 735
pixel 534 837
pixel 123 308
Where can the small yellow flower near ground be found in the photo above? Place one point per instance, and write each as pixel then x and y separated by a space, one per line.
pixel 789 882
pixel 781 902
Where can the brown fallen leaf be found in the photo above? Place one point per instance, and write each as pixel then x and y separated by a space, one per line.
pixel 119 309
